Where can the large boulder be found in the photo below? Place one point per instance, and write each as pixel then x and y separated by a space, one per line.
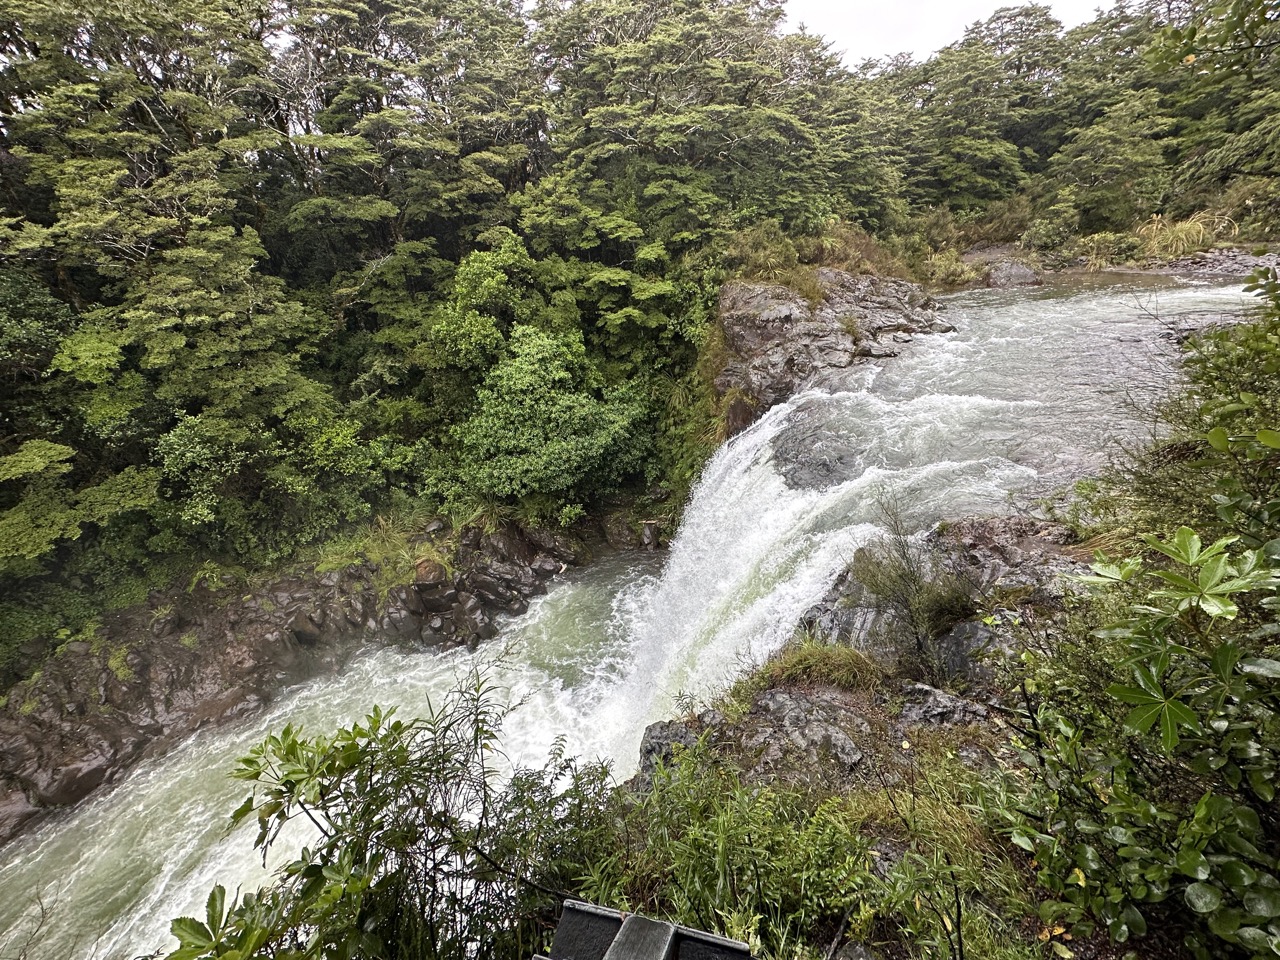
pixel 780 343
pixel 1012 273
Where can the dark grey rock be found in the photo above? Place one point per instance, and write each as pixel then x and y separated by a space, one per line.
pixel 803 731
pixel 928 705
pixel 546 566
pixel 963 648
pixel 659 745
pixel 856 951
pixel 1012 273
pixel 209 657
pixel 1232 262
pixel 779 343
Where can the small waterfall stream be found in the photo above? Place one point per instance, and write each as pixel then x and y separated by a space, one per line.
pixel 1028 393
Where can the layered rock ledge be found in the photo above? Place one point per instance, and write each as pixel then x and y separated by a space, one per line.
pixel 780 343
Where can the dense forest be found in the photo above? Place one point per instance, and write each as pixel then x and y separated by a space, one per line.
pixel 272 268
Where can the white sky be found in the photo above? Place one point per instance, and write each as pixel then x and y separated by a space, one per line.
pixel 880 28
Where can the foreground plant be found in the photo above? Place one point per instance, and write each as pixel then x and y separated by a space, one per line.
pixel 1158 802
pixel 421 848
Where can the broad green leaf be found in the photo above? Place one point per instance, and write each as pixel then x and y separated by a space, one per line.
pixel 1238 874
pixel 215 907
pixel 1182 715
pixel 1225 923
pixel 1203 897
pixel 1225 659
pixel 1219 608
pixel 1218 439
pixel 1193 863
pixel 1263 902
pixel 1255 940
pixel 191 932
pixel 1168 729
pixel 1262 785
pixel 1141 719
pixel 1133 694
pixel 1269 438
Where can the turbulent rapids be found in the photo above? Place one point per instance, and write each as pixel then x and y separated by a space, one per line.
pixel 1027 394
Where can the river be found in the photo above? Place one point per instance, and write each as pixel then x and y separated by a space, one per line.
pixel 1033 389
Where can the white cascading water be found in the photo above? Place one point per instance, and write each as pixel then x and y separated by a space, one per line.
pixel 1027 393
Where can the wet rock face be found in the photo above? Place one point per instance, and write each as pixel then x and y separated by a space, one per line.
pixel 804 730
pixel 160 672
pixel 1016 564
pixel 1025 557
pixel 659 745
pixel 929 706
pixel 780 343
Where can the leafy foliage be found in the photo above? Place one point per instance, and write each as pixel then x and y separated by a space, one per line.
pixel 419 850
pixel 1164 792
pixel 1152 745
pixel 264 271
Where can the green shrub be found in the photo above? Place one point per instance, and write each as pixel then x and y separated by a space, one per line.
pixel 917 592
pixel 1001 221
pixel 846 246
pixel 1102 250
pixel 1168 239
pixel 1054 228
pixel 1219 434
pixel 1155 801
pixel 422 852
pixel 808 661
pixel 761 252
pixel 947 269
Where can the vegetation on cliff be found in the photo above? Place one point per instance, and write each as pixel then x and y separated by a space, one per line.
pixel 268 270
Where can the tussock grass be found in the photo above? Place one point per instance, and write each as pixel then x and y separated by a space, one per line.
pixel 1167 239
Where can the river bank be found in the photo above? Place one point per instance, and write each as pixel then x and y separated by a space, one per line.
pixel 1008 266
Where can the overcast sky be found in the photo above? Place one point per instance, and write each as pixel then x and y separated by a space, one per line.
pixel 878 28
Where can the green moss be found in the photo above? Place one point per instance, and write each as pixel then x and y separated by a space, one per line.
pixel 118 664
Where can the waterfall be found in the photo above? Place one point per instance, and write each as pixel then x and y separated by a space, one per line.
pixel 1024 396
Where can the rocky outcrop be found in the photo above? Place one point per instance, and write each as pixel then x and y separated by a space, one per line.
pixel 1017 564
pixel 1024 560
pixel 822 736
pixel 154 674
pixel 780 343
pixel 929 706
pixel 804 730
pixel 491 574
pixel 663 740
pixel 1008 272
pixel 1222 263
